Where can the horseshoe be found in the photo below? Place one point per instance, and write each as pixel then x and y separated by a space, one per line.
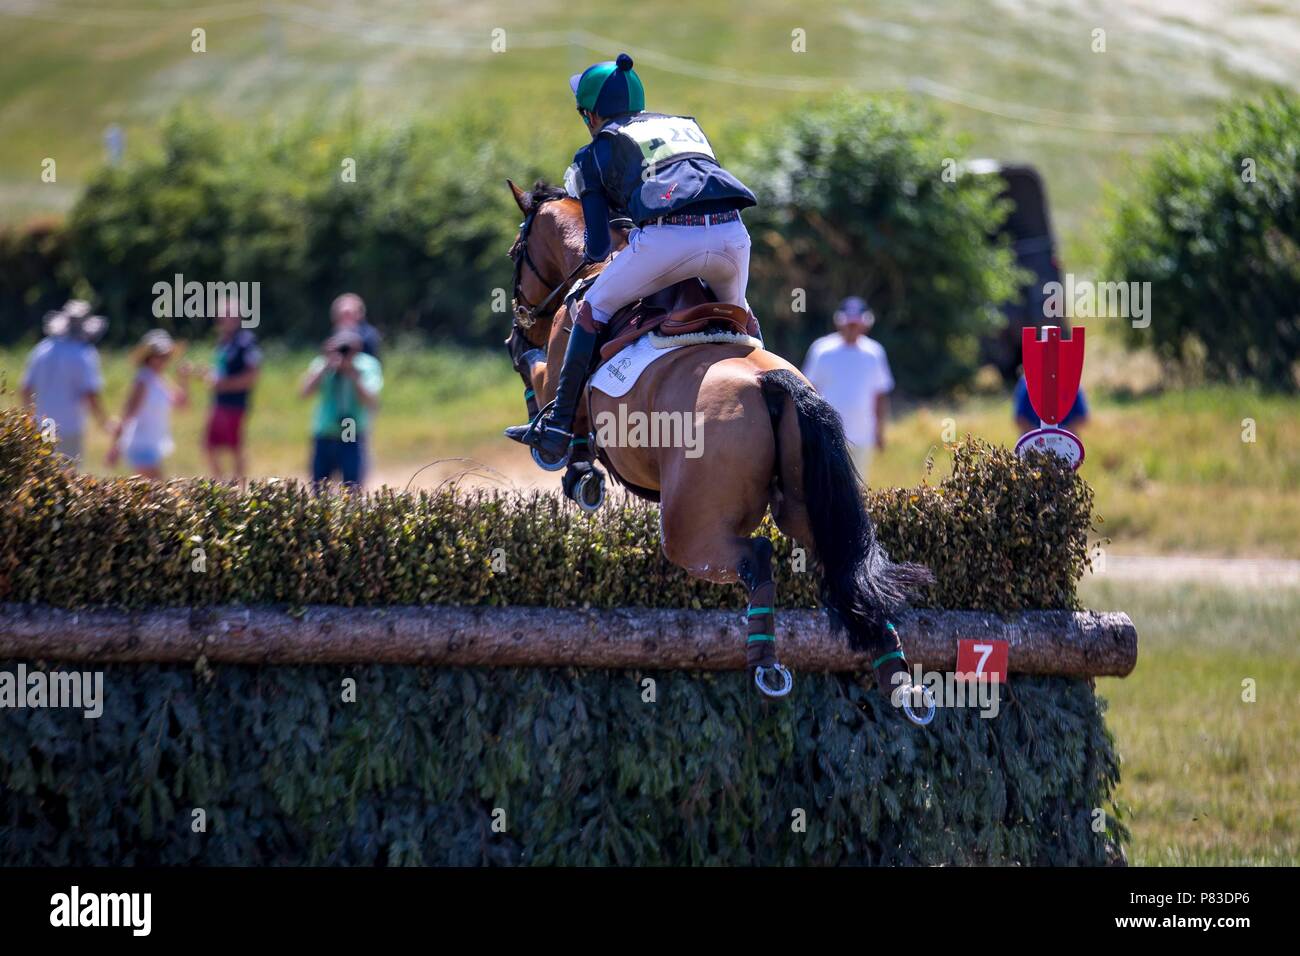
pixel 927 697
pixel 787 680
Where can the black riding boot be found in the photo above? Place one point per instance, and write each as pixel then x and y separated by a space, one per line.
pixel 552 431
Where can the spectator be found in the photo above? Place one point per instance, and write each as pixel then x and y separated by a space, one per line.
pixel 348 381
pixel 232 378
pixel 349 312
pixel 1027 419
pixel 852 373
pixel 62 379
pixel 145 432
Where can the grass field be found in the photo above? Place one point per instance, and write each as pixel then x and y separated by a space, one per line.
pixel 1170 471
pixel 1207 778
pixel 1021 78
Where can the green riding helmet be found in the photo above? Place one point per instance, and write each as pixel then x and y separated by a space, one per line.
pixel 609 89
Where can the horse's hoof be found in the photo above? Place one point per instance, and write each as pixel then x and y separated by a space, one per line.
pixel 547 462
pixel 930 708
pixel 787 680
pixel 590 493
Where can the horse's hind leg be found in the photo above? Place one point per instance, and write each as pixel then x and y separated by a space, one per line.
pixel 708 551
pixel 755 571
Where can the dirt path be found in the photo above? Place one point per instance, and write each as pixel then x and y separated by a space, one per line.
pixel 1228 572
pixel 504 468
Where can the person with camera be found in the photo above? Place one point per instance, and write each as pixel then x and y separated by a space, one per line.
pixel 348 311
pixel 347 382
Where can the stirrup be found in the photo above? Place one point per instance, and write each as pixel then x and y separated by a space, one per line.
pixel 787 680
pixel 546 462
pixel 543 460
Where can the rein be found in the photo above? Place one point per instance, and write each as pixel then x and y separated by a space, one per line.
pixel 526 313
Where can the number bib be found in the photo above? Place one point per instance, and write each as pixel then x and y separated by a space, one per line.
pixel 661 138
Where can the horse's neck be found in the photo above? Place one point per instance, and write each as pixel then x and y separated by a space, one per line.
pixel 575 251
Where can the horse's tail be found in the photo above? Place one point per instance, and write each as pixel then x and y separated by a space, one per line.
pixel 862 586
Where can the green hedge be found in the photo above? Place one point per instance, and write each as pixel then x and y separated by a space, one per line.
pixel 585 770
pixel 1000 534
pixel 36 275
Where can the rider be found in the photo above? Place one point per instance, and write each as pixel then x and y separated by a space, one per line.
pixel 660 172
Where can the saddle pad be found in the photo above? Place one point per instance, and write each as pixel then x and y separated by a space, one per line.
pixel 617 376
pixel 706 337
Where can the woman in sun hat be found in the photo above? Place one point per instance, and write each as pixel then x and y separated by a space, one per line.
pixel 144 435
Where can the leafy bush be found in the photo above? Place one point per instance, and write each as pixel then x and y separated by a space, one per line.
pixel 586 772
pixel 35 276
pixel 999 533
pixel 852 200
pixel 1213 223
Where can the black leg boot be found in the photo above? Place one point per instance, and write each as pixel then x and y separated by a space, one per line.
pixel 552 431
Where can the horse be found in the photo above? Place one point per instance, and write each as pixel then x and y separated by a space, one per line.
pixel 770 442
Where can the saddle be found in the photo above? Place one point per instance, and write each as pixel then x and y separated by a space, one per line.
pixel 686 308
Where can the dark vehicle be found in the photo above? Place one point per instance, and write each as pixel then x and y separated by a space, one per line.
pixel 1029 229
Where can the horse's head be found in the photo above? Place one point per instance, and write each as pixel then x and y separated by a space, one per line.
pixel 548 255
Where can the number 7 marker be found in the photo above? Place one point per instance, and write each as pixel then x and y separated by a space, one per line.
pixel 983 660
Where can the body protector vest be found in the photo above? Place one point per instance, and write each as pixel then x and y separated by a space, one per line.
pixel 649 165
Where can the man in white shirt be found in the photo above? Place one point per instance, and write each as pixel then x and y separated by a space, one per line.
pixel 851 372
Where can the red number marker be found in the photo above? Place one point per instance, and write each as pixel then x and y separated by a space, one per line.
pixel 983 660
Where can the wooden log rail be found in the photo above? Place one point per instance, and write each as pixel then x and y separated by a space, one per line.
pixel 1071 643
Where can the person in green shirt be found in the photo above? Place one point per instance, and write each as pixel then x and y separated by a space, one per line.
pixel 347 383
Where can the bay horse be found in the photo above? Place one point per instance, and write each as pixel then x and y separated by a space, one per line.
pixel 769 442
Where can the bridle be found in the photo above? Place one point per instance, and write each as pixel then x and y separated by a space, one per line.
pixel 525 312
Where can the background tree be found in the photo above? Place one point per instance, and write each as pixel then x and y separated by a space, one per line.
pixel 1213 223
pixel 853 200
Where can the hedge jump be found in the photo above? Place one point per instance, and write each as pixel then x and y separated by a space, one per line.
pixel 1064 643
